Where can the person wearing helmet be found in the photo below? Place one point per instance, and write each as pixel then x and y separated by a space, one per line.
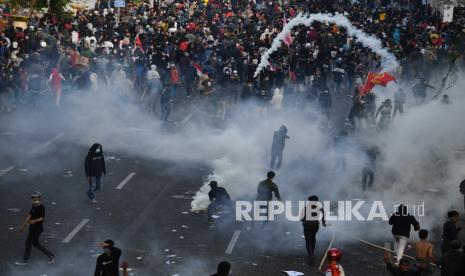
pixel 95 168
pixel 334 268
pixel 385 110
pixel 35 220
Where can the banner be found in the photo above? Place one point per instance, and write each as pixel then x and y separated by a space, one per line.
pixel 448 13
pixel 119 4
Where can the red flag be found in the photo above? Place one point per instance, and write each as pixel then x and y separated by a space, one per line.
pixel 288 40
pixel 376 79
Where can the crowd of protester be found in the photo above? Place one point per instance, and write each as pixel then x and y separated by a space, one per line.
pixel 211 49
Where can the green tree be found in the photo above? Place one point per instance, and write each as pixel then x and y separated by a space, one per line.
pixel 57 7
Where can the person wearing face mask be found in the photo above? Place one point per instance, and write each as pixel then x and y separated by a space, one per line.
pixel 35 220
pixel 94 169
pixel 108 261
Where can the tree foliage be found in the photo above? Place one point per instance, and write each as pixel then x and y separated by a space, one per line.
pixel 57 7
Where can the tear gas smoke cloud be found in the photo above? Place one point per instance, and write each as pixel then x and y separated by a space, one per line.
pixel 239 154
pixel 388 60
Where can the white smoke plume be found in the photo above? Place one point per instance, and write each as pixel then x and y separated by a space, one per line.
pixel 388 60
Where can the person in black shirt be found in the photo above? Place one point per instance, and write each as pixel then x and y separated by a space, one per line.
pixel 223 269
pixel 311 224
pixel 277 147
pixel 108 262
pixel 94 169
pixel 368 172
pixel 401 222
pixel 218 197
pixel 450 230
pixel 267 187
pixel 35 219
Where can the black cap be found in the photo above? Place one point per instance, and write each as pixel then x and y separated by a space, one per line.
pixel 110 242
pixel 213 183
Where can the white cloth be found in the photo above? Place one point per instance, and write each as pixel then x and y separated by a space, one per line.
pixel 399 246
pixel 75 37
pixel 153 74
pixel 277 100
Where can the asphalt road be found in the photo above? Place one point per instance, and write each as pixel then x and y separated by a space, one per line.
pixel 148 217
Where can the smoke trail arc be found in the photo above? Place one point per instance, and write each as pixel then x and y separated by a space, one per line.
pixel 388 60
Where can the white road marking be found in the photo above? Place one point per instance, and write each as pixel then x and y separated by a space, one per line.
pixel 5 171
pixel 125 181
pixel 75 230
pixel 233 241
pixel 48 143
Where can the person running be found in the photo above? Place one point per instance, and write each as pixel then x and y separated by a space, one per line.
pixel 108 261
pixel 218 197
pixel 94 168
pixel 401 222
pixel 35 220
pixel 311 224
